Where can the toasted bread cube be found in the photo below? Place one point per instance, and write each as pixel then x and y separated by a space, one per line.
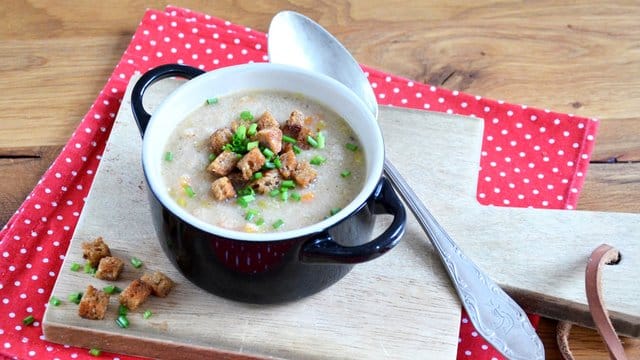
pixel 109 268
pixel 289 163
pixel 271 138
pixel 294 124
pixel 304 174
pixel 135 294
pixel 267 121
pixel 237 180
pixel 220 138
pixel 270 180
pixel 251 162
pixel 93 304
pixel 222 189
pixel 94 251
pixel 223 163
pixel 160 283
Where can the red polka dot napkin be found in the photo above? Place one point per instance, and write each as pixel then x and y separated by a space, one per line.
pixel 530 157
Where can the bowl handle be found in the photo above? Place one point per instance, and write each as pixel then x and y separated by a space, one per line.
pixel 325 250
pixel 161 72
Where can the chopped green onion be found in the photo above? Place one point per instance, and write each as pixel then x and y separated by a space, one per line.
pixel 75 297
pixel 278 223
pixel 212 157
pixel 246 115
pixel 295 196
pixel 345 173
pixel 75 266
pixel 312 141
pixel 284 195
pixel 277 162
pixel 352 147
pixel 317 160
pixel 253 129
pixel 136 262
pixel 55 301
pixel 244 201
pixel 189 191
pixel 257 175
pixel 274 192
pixel 250 214
pixel 267 153
pixel 269 165
pixel 147 314
pixel 296 149
pixel 248 190
pixel 289 139
pixel 28 320
pixel 212 101
pixel 88 269
pixel 288 184
pixel 253 144
pixel 168 156
pixel 95 352
pixel 241 132
pixel 335 211
pixel 111 289
pixel 260 222
pixel 122 310
pixel 122 321
pixel 320 139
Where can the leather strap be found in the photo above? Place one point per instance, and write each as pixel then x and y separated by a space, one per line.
pixel 602 255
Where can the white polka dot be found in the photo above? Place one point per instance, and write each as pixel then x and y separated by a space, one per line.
pixel 509 113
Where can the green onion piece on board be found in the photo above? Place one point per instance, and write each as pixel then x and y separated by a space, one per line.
pixel 75 266
pixel 122 321
pixel 345 173
pixel 311 141
pixel 28 320
pixel 253 129
pixel 189 191
pixel 111 289
pixel 95 352
pixel 257 175
pixel 75 297
pixel 289 139
pixel 212 157
pixel 317 160
pixel 278 223
pixel 168 156
pixel 88 269
pixel 55 301
pixel 212 101
pixel 246 115
pixel 352 147
pixel 136 262
pixel 147 314
pixel 295 196
pixel 122 310
pixel 335 211
pixel 321 140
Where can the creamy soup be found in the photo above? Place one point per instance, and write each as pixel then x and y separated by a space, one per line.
pixel 263 162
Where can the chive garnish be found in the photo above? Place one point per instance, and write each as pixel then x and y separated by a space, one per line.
pixel 253 129
pixel 345 173
pixel 312 141
pixel 75 266
pixel 122 321
pixel 136 262
pixel 189 191
pixel 251 214
pixel 274 192
pixel 267 153
pixel 260 222
pixel 111 289
pixel 95 352
pixel 278 223
pixel 28 320
pixel 253 144
pixel 247 190
pixel 147 314
pixel 257 175
pixel 284 195
pixel 288 184
pixel 246 115
pixel 335 211
pixel 321 140
pixel 168 156
pixel 317 160
pixel 212 101
pixel 75 297
pixel 289 139
pixel 352 147
pixel 296 149
pixel 55 301
pixel 212 157
pixel 244 201
pixel 277 162
pixel 122 310
pixel 295 196
pixel 88 269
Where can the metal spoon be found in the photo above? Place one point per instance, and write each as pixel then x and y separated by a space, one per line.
pixel 297 40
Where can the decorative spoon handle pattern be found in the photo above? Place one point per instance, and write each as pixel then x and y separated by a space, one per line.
pixel 496 316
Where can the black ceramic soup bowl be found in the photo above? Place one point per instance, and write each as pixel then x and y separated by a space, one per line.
pixel 275 266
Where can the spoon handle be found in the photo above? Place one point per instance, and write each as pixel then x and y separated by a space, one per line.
pixel 494 314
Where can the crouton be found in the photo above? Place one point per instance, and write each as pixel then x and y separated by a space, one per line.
pixel 93 304
pixel 109 268
pixel 223 163
pixel 267 121
pixel 222 189
pixel 270 180
pixel 304 174
pixel 302 137
pixel 271 138
pixel 237 180
pixel 220 138
pixel 294 124
pixel 251 162
pixel 135 294
pixel 289 163
pixel 94 251
pixel 160 283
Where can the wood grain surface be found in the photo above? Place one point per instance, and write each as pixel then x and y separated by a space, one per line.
pixel 576 57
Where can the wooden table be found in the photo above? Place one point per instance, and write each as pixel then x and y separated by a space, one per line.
pixel 575 58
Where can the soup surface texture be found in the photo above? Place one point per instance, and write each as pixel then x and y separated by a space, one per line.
pixel 261 178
